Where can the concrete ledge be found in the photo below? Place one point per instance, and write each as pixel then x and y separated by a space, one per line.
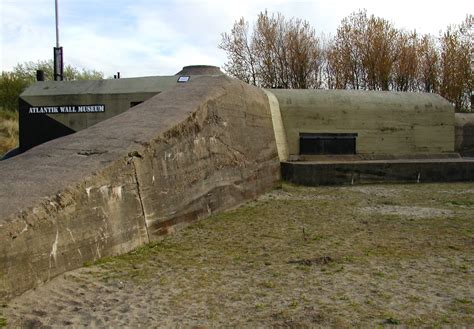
pixel 378 171
pixel 201 147
pixel 381 156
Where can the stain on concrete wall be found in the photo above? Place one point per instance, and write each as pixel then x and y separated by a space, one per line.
pixel 200 147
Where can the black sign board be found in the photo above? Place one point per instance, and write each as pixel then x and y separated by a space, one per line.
pixel 58 64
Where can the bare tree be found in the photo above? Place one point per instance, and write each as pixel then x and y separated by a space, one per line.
pixel 378 51
pixel 367 52
pixel 456 75
pixel 304 55
pixel 279 53
pixel 347 52
pixel 405 68
pixel 428 64
pixel 240 52
pixel 269 43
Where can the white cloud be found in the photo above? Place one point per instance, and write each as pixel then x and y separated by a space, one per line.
pixel 157 37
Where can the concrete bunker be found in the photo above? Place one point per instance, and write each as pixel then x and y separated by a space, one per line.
pixel 367 123
pixel 52 109
pixel 189 150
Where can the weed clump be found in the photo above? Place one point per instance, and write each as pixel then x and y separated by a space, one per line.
pixel 8 131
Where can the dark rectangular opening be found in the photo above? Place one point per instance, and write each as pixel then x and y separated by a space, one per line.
pixel 132 104
pixel 328 143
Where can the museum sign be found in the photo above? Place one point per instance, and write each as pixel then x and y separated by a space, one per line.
pixel 96 108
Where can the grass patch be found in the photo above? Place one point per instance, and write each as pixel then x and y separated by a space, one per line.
pixel 392 320
pixel 463 305
pixel 8 131
pixel 300 256
pixel 8 115
pixel 278 241
pixel 461 203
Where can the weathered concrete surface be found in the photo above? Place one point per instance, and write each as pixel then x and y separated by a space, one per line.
pixel 464 133
pixel 378 171
pixel 386 122
pixel 200 70
pixel 200 147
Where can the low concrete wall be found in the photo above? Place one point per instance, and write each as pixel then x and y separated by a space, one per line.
pixel 381 171
pixel 464 134
pixel 198 148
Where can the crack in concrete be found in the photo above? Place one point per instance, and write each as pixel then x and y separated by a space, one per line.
pixel 53 253
pixel 140 198
pixel 229 147
pixel 240 161
pixel 90 152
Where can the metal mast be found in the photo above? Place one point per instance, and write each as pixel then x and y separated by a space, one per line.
pixel 58 51
pixel 57 23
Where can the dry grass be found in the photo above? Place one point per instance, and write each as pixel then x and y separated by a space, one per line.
pixel 8 131
pixel 298 257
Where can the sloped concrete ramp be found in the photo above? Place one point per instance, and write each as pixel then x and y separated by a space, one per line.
pixel 201 147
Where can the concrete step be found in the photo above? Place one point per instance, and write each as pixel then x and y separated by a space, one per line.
pixel 314 173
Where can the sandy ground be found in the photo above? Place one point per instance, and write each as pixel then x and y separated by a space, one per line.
pixel 297 257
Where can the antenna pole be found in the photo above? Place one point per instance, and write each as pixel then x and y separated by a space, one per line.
pixel 57 23
pixel 58 51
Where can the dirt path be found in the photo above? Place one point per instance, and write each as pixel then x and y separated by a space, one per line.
pixel 297 257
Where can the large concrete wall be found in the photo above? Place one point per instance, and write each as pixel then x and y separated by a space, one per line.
pixel 198 148
pixel 464 134
pixel 386 122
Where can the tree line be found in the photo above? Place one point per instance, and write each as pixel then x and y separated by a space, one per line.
pixel 367 52
pixel 13 83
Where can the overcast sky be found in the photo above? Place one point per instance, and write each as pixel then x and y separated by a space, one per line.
pixel 157 37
